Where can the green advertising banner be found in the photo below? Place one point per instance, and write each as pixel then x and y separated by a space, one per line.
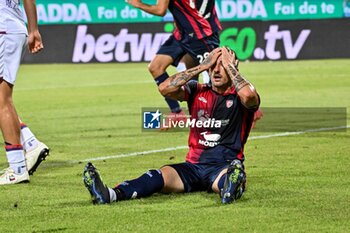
pixel 118 11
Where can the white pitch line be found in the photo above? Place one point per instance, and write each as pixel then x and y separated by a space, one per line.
pixel 185 147
pixel 135 153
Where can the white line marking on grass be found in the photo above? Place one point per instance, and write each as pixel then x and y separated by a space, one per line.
pixel 185 147
pixel 87 85
pixel 136 153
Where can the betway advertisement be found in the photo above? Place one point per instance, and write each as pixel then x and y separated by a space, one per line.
pixel 252 40
pixel 118 11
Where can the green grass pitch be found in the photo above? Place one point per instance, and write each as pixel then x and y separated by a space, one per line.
pixel 297 183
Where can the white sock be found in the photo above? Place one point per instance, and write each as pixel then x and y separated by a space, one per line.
pixel 15 157
pixel 28 139
pixel 112 195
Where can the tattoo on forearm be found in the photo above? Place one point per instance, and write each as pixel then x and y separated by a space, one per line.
pixel 232 71
pixel 238 81
pixel 181 78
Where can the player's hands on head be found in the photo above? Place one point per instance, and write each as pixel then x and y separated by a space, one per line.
pixel 212 58
pixel 35 43
pixel 229 57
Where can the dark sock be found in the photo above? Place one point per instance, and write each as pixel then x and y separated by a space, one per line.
pixel 147 184
pixel 173 104
pixel 161 78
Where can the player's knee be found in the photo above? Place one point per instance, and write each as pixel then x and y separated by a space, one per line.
pixel 155 69
pixel 158 66
pixel 167 174
pixel 172 181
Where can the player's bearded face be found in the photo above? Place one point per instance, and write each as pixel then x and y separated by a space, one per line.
pixel 218 76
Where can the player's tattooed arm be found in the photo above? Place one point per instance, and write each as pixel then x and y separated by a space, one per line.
pixel 211 59
pixel 173 86
pixel 183 77
pixel 245 90
pixel 238 80
pixel 180 79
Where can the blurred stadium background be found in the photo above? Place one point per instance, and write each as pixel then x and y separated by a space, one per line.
pixel 297 55
pixel 113 31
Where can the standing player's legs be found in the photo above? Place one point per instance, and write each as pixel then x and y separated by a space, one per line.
pixel 200 49
pixel 170 53
pixel 186 62
pixel 35 150
pixel 10 55
pixel 12 46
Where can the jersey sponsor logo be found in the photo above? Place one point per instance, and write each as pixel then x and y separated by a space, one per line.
pixel 211 140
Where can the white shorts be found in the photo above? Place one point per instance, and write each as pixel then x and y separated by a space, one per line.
pixel 11 49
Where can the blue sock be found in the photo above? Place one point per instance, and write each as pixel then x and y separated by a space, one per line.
pixel 173 105
pixel 161 78
pixel 147 184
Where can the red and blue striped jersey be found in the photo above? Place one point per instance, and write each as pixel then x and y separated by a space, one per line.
pixel 228 124
pixel 194 18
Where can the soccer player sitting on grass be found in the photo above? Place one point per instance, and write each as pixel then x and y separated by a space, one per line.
pixel 215 158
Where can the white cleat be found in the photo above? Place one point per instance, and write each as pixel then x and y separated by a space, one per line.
pixel 35 157
pixel 10 177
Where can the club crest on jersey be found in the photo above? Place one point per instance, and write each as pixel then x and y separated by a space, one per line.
pixel 229 103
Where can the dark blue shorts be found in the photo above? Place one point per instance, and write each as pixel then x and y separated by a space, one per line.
pixel 197 49
pixel 199 177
